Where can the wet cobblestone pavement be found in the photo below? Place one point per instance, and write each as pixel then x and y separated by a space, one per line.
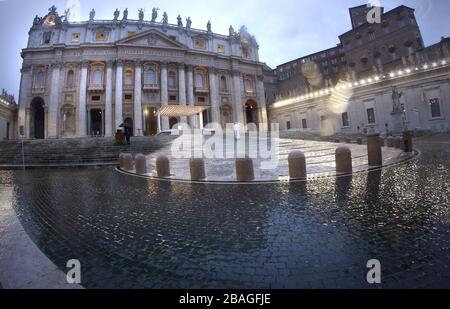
pixel 130 232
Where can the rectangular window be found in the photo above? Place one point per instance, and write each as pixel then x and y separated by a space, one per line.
pixel 201 99
pixel 401 23
pixel 75 37
pixel 345 121
pixel 386 29
pixel 172 98
pixel 47 37
pixel 199 43
pixel 95 98
pixel 131 33
pixel 304 124
pixel 435 108
pixel 128 97
pixel 288 125
pixel 371 116
pixel 221 48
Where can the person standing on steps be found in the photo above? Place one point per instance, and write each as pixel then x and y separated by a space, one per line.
pixel 127 130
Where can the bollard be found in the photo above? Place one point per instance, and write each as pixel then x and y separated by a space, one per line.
pixel 407 141
pixel 140 162
pixel 121 160
pixel 128 162
pixel 344 160
pixel 197 167
pixel 374 153
pixel 162 166
pixel 244 169
pixel 359 141
pixel 297 165
pixel 390 142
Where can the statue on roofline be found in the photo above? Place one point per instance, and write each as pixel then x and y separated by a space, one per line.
pixel 141 14
pixel 154 14
pixel 116 14
pixel 125 14
pixel 179 21
pixel 188 23
pixel 92 15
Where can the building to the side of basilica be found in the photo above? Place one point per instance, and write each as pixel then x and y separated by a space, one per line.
pixel 8 116
pixel 87 78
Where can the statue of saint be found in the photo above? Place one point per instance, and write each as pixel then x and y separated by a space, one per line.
pixel 231 31
pixel 165 19
pixel 116 14
pixel 36 20
pixel 396 96
pixel 208 26
pixel 92 15
pixel 179 21
pixel 52 9
pixel 188 23
pixel 125 14
pixel 141 14
pixel 66 15
pixel 154 14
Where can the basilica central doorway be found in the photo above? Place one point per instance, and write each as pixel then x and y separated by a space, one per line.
pixel 96 128
pixel 37 119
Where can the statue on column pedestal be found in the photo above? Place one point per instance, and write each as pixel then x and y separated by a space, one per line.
pixel 398 112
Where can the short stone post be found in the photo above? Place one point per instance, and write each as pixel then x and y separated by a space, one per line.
pixel 121 160
pixel 162 166
pixel 244 169
pixel 141 164
pixel 128 162
pixel 197 167
pixel 407 141
pixel 374 149
pixel 297 165
pixel 344 160
pixel 359 141
pixel 390 142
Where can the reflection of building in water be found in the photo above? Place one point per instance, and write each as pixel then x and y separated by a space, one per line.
pixel 87 78
pixel 348 88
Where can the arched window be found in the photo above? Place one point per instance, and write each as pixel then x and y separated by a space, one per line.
pixel 249 84
pixel 199 81
pixel 97 77
pixel 70 79
pixel 172 81
pixel 40 79
pixel 150 77
pixel 223 83
pixel 128 80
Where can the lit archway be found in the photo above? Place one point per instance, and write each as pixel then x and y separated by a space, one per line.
pixel 251 112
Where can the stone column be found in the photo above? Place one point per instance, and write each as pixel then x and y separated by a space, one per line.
pixel 182 88
pixel 24 104
pixel 262 103
pixel 190 94
pixel 138 99
pixel 54 101
pixel 214 96
pixel 119 94
pixel 108 100
pixel 237 97
pixel 164 95
pixel 82 103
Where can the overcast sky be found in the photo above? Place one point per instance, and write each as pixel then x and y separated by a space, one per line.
pixel 284 29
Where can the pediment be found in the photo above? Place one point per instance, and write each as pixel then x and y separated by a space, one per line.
pixel 152 38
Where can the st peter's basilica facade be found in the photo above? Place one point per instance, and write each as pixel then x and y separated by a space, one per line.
pixel 84 79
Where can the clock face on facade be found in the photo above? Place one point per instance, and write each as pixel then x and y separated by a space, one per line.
pixel 50 21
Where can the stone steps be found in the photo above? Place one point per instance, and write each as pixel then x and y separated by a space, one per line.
pixel 75 151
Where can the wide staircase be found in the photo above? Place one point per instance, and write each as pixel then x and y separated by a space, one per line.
pixel 74 152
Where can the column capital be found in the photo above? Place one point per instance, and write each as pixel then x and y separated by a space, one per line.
pixel 109 63
pixel 260 77
pixel 138 62
pixel 236 73
pixel 119 62
pixel 212 70
pixel 84 64
pixel 164 64
pixel 56 65
pixel 189 67
pixel 181 66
